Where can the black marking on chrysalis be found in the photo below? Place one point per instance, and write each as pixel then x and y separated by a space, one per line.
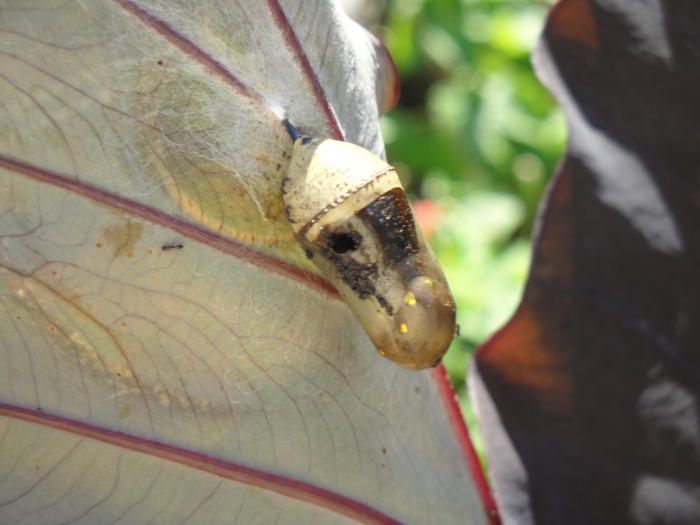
pixel 391 218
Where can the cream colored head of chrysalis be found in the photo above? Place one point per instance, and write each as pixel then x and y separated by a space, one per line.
pixel 351 216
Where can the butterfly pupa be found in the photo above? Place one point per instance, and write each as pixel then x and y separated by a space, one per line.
pixel 351 216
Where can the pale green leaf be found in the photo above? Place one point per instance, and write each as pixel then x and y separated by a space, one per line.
pixel 167 354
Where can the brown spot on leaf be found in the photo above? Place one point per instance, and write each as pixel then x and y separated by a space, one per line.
pixel 124 410
pixel 573 20
pixel 123 237
pixel 520 355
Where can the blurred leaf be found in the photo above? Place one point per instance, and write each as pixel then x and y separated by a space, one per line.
pixel 473 120
pixel 470 103
pixel 474 234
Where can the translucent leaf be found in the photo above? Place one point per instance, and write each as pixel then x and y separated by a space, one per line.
pixel 167 354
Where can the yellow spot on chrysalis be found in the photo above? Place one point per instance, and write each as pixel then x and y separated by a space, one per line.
pixel 381 352
pixel 428 281
pixel 403 328
pixel 410 299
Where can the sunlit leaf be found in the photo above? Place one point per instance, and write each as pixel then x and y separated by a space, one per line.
pixel 167 354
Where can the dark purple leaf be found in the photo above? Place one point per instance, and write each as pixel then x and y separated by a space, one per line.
pixel 589 395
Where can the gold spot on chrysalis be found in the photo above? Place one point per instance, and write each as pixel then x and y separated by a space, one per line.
pixel 410 299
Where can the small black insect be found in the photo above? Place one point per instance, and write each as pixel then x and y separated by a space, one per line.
pixel 172 246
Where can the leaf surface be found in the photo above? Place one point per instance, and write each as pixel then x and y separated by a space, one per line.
pixel 167 353
pixel 589 395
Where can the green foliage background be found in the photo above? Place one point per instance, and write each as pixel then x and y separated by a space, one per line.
pixel 477 137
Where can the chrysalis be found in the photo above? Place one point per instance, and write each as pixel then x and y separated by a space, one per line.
pixel 351 216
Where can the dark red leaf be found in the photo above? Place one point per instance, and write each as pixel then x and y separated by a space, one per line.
pixel 596 378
